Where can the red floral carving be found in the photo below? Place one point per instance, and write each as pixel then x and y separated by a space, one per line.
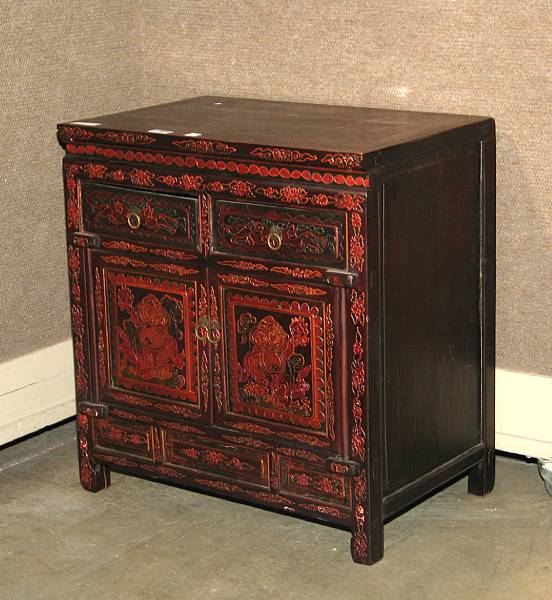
pixel 343 161
pixel 184 182
pixel 74 133
pixel 204 146
pixel 140 177
pixel 283 155
pixel 125 137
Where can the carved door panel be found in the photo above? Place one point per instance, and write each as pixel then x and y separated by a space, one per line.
pixel 276 359
pixel 151 349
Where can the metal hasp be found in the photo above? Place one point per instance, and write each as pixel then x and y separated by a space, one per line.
pixel 545 471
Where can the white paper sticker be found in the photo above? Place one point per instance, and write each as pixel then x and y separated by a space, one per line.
pixel 163 131
pixel 85 123
pixel 192 134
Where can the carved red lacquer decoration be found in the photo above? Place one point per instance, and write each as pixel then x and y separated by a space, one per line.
pixel 358 385
pixel 244 265
pixel 165 252
pixel 328 511
pixel 283 155
pixel 252 428
pixel 125 137
pixel 127 261
pixel 297 272
pixel 205 223
pixel 121 436
pixel 124 414
pixel 117 460
pixel 343 161
pixel 196 162
pixel 183 182
pixel 73 196
pixel 329 486
pixel 301 453
pixel 77 322
pixel 359 542
pixel 232 278
pixel 86 469
pixel 204 146
pixel 182 427
pixel 328 322
pixel 356 243
pixel 291 288
pixel 244 440
pixel 298 289
pixel 303 438
pixel 100 318
pixel 221 486
pixel 67 133
pixel 217 383
pixel 271 498
pixel 300 195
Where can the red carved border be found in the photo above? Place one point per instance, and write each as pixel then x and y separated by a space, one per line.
pixel 358 386
pixel 196 162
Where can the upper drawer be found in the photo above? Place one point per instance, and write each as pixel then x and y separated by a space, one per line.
pixel 140 215
pixel 296 235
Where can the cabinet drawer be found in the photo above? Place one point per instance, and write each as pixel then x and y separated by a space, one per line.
pixel 140 215
pixel 303 479
pixel 136 439
pixel 217 458
pixel 295 235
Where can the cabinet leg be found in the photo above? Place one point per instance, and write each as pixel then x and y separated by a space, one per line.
pixel 367 526
pixel 367 546
pixel 481 478
pixel 93 477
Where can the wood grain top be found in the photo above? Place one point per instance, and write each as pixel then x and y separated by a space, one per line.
pixel 286 124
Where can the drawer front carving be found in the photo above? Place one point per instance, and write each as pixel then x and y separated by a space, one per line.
pixel 302 479
pixel 278 364
pixel 140 215
pixel 131 438
pixel 210 456
pixel 295 235
pixel 146 342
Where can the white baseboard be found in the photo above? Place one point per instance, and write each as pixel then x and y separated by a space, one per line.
pixel 523 419
pixel 36 390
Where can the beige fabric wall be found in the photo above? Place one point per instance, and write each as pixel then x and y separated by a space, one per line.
pixel 488 57
pixel 59 60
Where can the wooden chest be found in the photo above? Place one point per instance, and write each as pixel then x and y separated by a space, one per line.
pixel 287 304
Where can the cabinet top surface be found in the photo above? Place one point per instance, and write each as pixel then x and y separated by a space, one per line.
pixel 287 124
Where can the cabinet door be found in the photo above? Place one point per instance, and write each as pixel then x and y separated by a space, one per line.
pixel 277 363
pixel 147 318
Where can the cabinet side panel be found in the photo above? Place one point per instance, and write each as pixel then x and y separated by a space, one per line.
pixel 431 321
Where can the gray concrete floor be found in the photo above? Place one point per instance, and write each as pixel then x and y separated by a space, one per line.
pixel 141 540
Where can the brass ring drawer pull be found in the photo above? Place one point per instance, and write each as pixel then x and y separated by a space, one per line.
pixel 213 333
pixel 274 239
pixel 133 219
pixel 201 330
